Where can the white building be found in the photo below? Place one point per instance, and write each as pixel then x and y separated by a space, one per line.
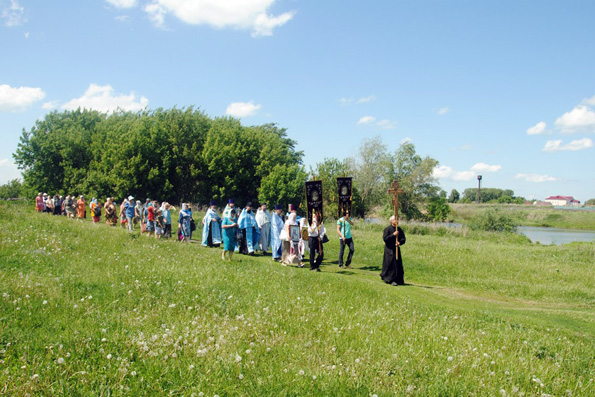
pixel 562 201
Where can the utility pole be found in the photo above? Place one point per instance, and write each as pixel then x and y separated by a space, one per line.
pixel 479 189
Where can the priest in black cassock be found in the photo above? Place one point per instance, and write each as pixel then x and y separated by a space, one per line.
pixel 392 264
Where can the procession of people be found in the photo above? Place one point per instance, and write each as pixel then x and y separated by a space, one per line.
pixel 287 236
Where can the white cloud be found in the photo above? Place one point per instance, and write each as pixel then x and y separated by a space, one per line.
pixel 446 172
pixel 15 99
pixel 264 24
pixel 103 99
pixel 242 109
pixel 156 14
pixel 367 120
pixel 442 171
pixel 359 101
pixel 8 171
pixel 366 99
pixel 239 14
pixel 405 140
pixel 14 15
pixel 537 129
pixel 122 3
pixel 589 101
pixel 557 146
pixel 579 118
pixel 50 105
pixel 536 178
pixel 483 167
pixel 387 124
pixel 442 111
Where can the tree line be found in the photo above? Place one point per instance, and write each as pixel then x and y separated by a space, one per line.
pixel 171 154
pixel 183 155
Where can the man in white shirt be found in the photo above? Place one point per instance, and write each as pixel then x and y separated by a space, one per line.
pixel 263 219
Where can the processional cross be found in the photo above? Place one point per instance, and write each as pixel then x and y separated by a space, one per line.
pixel 394 192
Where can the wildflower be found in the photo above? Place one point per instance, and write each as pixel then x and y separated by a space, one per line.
pixel 60 361
pixel 109 356
pixel 450 358
pixel 238 358
pixel 44 302
pixel 313 377
pixel 241 376
pixel 301 372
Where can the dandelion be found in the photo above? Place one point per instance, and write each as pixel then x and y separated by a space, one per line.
pixel 60 361
pixel 238 358
pixel 313 377
pixel 35 377
pixel 248 351
pixel 241 376
pixel 90 296
pixel 191 367
pixel 109 356
pixel 133 373
pixel 450 358
pixel 357 360
pixel 301 372
pixel 44 302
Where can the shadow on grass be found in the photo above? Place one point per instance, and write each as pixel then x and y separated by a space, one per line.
pixel 374 268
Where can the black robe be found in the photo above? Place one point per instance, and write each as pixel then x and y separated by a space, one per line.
pixel 392 264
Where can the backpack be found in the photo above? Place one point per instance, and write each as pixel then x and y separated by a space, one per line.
pixel 97 211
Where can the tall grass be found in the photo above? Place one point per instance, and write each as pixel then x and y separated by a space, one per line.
pixel 88 309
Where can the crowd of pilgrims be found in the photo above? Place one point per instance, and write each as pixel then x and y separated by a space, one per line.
pixel 243 231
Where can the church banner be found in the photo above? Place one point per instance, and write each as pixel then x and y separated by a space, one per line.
pixel 314 200
pixel 345 195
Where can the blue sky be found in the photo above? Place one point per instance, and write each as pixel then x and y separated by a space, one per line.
pixel 505 89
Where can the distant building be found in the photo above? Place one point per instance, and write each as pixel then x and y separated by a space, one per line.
pixel 562 201
pixel 541 203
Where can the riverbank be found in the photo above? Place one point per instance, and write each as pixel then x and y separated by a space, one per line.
pixel 526 215
pixel 91 309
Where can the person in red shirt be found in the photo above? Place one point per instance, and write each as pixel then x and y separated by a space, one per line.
pixel 151 218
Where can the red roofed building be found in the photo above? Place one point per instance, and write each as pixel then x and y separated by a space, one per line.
pixel 562 200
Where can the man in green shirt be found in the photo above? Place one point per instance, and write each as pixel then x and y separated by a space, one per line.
pixel 344 230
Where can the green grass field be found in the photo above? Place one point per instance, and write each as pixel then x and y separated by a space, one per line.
pixel 88 309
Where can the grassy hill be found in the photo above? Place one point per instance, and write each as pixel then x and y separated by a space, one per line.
pixel 89 309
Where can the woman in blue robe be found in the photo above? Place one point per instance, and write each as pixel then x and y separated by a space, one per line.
pixel 211 230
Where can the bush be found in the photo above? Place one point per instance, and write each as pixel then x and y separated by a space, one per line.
pixel 493 220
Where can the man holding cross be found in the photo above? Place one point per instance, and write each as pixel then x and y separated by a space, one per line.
pixel 393 236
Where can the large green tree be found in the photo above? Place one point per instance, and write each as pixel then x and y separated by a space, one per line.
pixel 415 176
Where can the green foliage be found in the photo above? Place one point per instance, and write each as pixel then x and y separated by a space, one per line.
pixel 454 196
pixel 175 155
pixel 491 195
pixel 284 185
pixel 493 220
pixel 415 176
pixel 328 171
pixel 14 189
pixel 438 209
pixel 590 202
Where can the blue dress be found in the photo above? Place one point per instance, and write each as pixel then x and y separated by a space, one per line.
pixel 229 235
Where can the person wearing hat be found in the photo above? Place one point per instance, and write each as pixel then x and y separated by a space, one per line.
pixel 211 229
pixel 250 231
pixel 130 212
pixel 276 229
pixel 230 205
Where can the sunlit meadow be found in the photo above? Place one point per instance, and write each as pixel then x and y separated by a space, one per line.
pixel 89 309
